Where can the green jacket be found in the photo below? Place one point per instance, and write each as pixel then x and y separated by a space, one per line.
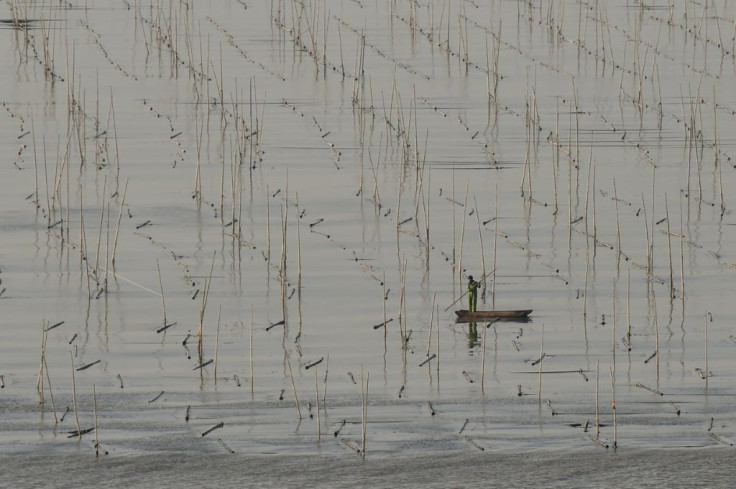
pixel 472 287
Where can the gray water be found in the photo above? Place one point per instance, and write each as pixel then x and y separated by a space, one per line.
pixel 632 468
pixel 578 154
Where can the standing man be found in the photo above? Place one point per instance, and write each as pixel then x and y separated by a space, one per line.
pixel 472 293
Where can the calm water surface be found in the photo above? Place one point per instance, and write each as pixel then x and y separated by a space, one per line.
pixel 306 186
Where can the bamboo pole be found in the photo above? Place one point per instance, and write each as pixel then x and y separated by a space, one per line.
pixel 74 397
pixel 324 385
pixel 482 250
pixel 541 360
pixel 117 229
pixel 293 386
pixel 299 264
pixel 707 372
pixel 39 381
pixel 431 322
pixel 597 411
pixel 656 333
pixel 161 284
pixel 217 340
pixel 250 356
pixel 319 419
pixel 385 328
pixel 495 250
pixel 483 363
pixel 283 277
pixel 364 423
pixel 51 392
pixel 462 234
pixel 438 347
pixel 613 407
pixel 200 330
pixel 97 431
pixel 628 311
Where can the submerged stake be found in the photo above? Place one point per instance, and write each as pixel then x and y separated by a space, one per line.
pixel 54 325
pixel 342 425
pixel 307 367
pixel 379 325
pixel 275 324
pixel 431 357
pixel 202 365
pixel 85 367
pixel 218 425
pixel 156 398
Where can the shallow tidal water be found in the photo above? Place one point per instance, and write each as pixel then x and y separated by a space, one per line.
pixel 631 468
pixel 234 234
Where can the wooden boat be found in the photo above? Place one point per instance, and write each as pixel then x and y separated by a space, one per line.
pixel 465 316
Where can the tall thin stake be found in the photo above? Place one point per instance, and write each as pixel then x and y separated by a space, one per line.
pixel 250 347
pixel 117 229
pixel 365 413
pixel 217 340
pixel 707 372
pixel 597 411
pixel 613 406
pixel 319 419
pixel 483 363
pixel 74 396
pixel 462 235
pixel 161 284
pixel 541 360
pixel 51 392
pixel 97 431
pixel 293 386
